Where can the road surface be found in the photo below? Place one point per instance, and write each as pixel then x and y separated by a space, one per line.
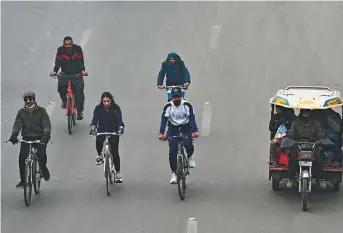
pixel 238 54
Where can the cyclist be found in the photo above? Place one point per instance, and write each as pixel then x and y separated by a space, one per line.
pixel 180 117
pixel 176 71
pixel 69 58
pixel 34 123
pixel 107 117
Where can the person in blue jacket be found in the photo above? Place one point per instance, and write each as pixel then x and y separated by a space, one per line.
pixel 180 117
pixel 107 117
pixel 175 71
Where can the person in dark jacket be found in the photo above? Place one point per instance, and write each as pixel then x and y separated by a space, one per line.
pixel 176 71
pixel 306 127
pixel 283 116
pixel 107 117
pixel 332 124
pixel 34 124
pixel 69 58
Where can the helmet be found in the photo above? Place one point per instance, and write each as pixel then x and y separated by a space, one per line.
pixel 29 94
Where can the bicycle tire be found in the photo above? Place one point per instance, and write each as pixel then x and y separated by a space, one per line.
pixel 181 178
pixel 28 184
pixel 69 116
pixel 36 180
pixel 107 174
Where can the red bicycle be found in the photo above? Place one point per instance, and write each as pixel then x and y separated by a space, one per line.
pixel 70 103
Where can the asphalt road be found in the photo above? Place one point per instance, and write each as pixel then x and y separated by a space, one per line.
pixel 260 47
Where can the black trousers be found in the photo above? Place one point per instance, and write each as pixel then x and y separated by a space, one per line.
pixel 114 147
pixel 24 152
pixel 78 86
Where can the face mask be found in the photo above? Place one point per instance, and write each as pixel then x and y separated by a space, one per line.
pixel 69 51
pixel 177 102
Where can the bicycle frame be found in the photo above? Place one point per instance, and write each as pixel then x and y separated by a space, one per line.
pixel 70 96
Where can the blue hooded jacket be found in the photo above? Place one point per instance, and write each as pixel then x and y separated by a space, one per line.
pixel 177 73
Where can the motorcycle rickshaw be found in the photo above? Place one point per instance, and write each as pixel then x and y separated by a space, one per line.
pixel 314 98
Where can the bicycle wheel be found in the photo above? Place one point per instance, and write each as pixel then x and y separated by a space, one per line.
pixel 107 174
pixel 73 113
pixel 28 184
pixel 181 178
pixel 36 176
pixel 69 116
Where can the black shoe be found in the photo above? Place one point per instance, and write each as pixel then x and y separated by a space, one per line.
pixel 79 116
pixel 46 173
pixel 63 105
pixel 20 185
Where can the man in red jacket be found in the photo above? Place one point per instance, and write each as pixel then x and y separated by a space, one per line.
pixel 69 58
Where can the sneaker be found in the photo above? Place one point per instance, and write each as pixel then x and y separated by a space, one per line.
pixel 173 179
pixel 290 184
pixel 46 173
pixel 63 105
pixel 322 184
pixel 20 185
pixel 79 116
pixel 99 160
pixel 191 162
pixel 119 179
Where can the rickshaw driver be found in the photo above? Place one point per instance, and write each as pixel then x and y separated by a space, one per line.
pixel 305 127
pixel 283 116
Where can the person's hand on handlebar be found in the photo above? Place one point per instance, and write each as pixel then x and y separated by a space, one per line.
pixel 186 84
pixel 160 86
pixel 162 137
pixel 85 73
pixel 52 74
pixel 195 134
pixel 13 139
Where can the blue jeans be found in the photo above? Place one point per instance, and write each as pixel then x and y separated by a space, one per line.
pixel 182 93
pixel 336 141
pixel 188 144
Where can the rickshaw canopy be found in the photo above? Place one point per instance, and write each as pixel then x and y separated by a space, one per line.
pixel 307 97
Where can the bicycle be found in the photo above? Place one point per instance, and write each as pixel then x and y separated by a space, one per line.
pixel 182 166
pixel 70 103
pixel 108 172
pixel 168 89
pixel 31 172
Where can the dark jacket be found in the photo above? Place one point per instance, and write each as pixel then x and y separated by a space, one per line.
pixel 34 124
pixel 177 73
pixel 107 120
pixel 311 131
pixel 278 119
pixel 73 64
pixel 329 120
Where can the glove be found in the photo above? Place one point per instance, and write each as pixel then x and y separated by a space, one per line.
pixel 121 130
pixel 45 139
pixel 162 137
pixel 13 139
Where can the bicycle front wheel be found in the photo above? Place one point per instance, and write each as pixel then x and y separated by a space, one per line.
pixel 70 116
pixel 181 178
pixel 36 176
pixel 28 184
pixel 107 175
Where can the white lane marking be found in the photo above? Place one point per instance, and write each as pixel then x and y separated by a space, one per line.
pixel 206 119
pixel 214 37
pixel 192 225
pixel 85 37
pixel 50 108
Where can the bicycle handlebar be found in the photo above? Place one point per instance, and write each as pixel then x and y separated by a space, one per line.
pixel 109 133
pixel 68 75
pixel 179 137
pixel 29 142
pixel 180 86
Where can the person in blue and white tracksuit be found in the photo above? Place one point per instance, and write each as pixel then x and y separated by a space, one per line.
pixel 180 117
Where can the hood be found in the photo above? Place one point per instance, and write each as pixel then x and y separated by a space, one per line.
pixel 174 55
